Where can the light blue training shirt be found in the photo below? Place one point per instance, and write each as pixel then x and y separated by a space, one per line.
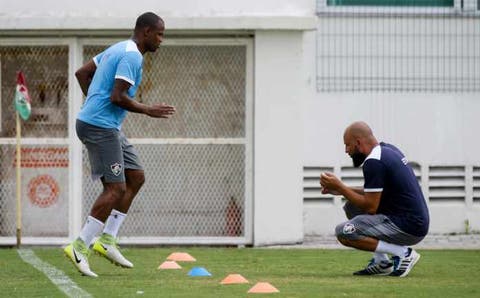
pixel 122 61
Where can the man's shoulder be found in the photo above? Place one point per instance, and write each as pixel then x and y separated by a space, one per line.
pixel 382 154
pixel 390 147
pixel 131 53
pixel 124 47
pixel 393 157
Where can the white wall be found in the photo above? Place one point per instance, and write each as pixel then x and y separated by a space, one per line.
pixel 184 14
pixel 294 125
pixel 433 128
pixel 429 128
pixel 279 80
pixel 109 8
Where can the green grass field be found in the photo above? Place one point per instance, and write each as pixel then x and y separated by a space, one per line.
pixel 295 272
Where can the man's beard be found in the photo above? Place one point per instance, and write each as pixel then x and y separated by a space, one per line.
pixel 358 158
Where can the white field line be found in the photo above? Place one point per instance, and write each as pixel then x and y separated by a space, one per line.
pixel 58 278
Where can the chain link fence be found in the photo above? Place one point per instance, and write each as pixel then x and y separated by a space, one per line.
pixel 191 190
pixel 44 191
pixel 44 167
pixel 46 70
pixel 398 46
pixel 195 162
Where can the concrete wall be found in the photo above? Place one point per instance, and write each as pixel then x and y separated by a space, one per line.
pixel 295 125
pixel 112 8
pixel 433 130
pixel 184 14
pixel 429 71
pixel 279 79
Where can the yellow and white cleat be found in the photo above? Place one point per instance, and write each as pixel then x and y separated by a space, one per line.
pixel 78 253
pixel 107 247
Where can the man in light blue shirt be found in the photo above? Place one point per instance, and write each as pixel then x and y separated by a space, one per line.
pixel 122 61
pixel 109 82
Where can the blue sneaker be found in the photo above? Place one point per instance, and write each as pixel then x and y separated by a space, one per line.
pixel 372 268
pixel 402 266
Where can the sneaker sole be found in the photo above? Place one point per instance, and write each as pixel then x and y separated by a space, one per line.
pixel 376 274
pixel 411 267
pixel 372 274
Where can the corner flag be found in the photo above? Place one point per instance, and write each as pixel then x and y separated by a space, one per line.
pixel 22 99
pixel 22 105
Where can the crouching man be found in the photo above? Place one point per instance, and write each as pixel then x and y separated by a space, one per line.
pixel 389 213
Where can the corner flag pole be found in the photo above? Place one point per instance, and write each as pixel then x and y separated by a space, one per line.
pixel 19 182
pixel 23 110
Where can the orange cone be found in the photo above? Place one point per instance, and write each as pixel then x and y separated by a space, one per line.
pixel 181 257
pixel 169 265
pixel 234 279
pixel 263 287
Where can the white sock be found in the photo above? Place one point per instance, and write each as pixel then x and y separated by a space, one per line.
pixel 380 256
pixel 393 249
pixel 114 221
pixel 90 229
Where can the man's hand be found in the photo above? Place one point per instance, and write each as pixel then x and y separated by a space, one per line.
pixel 160 110
pixel 120 98
pixel 326 191
pixel 330 183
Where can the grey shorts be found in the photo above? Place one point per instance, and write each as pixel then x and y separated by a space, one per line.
pixel 109 152
pixel 376 226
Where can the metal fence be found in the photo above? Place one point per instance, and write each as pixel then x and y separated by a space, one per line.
pixel 197 163
pixel 398 46
pixel 45 168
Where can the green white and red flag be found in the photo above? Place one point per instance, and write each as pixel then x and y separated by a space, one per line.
pixel 22 98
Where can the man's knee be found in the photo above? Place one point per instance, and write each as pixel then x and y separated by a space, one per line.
pixel 135 178
pixel 345 232
pixel 115 191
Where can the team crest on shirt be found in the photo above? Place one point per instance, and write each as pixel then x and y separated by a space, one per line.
pixel 116 168
pixel 349 228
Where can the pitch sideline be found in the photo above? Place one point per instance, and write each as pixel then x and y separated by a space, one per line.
pixel 57 277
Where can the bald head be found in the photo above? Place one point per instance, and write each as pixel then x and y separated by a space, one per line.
pixel 359 141
pixel 359 129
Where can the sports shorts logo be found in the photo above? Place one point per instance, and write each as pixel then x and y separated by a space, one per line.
pixel 349 229
pixel 116 168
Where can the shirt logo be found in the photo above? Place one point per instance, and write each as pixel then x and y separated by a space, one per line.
pixel 349 229
pixel 116 168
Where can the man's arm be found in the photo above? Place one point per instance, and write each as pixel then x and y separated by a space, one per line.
pixel 120 98
pixel 367 201
pixel 358 190
pixel 85 74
